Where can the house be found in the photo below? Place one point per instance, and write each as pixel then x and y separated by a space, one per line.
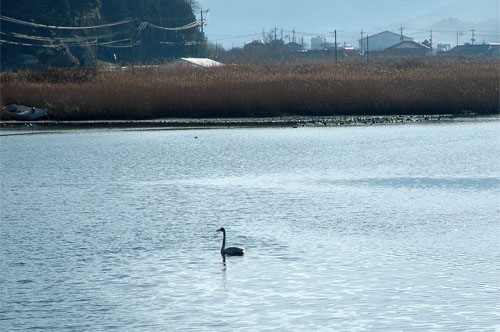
pixel 381 41
pixel 254 44
pixel 443 47
pixel 293 46
pixel 489 50
pixel 408 48
pixel 318 43
pixel 346 51
pixel 196 63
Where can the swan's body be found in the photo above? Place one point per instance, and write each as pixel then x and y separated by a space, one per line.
pixel 231 251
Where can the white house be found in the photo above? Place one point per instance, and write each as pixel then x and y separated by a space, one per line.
pixel 381 41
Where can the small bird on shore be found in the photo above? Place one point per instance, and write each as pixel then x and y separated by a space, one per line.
pixel 230 251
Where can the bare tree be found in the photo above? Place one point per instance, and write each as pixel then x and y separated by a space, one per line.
pixel 194 4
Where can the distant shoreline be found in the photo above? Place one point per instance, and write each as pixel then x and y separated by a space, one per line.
pixel 271 122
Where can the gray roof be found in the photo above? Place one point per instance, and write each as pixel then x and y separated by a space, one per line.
pixel 386 31
pixel 408 44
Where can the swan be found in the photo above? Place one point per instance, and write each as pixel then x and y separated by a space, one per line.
pixel 231 251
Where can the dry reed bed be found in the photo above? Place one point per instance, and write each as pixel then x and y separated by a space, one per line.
pixel 260 90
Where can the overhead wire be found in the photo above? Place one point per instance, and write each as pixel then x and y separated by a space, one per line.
pixel 57 42
pixel 60 39
pixel 38 25
pixel 184 27
pixel 71 45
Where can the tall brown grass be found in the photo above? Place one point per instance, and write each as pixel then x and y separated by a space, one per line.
pixel 273 89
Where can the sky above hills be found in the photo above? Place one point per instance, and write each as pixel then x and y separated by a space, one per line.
pixel 234 22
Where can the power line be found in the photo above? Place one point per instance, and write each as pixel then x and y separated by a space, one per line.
pixel 184 27
pixel 77 41
pixel 190 43
pixel 56 39
pixel 237 37
pixel 141 26
pixel 27 44
pixel 37 25
pixel 104 44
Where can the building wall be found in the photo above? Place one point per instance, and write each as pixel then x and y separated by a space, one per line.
pixel 317 43
pixel 381 41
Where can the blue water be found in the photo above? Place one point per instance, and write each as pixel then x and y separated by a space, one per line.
pixel 387 228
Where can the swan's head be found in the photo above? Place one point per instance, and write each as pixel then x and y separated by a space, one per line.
pixel 221 229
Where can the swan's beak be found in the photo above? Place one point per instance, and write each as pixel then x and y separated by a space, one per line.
pixel 219 230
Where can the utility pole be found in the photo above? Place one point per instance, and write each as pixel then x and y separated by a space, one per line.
pixel 367 50
pixel 336 59
pixel 202 48
pixel 431 39
pixel 293 35
pixel 473 39
pixel 361 44
pixel 201 18
pixel 401 33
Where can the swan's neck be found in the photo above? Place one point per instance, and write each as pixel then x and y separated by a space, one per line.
pixel 223 242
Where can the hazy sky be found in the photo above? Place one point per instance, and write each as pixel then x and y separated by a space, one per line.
pixel 233 22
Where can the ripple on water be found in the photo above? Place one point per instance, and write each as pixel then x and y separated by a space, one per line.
pixel 344 229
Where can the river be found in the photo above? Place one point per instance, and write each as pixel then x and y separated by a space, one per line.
pixel 371 228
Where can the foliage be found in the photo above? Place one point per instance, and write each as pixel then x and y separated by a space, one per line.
pixel 167 13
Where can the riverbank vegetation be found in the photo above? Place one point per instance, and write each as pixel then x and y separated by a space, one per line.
pixel 406 86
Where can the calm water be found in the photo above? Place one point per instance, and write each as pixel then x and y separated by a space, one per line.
pixel 384 228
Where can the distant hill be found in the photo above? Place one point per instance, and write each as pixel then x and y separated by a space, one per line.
pixel 485 31
pixel 130 41
pixel 450 29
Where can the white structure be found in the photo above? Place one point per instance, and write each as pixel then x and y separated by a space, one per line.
pixel 318 43
pixel 443 47
pixel 196 63
pixel 381 41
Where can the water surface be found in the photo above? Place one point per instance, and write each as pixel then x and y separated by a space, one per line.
pixel 384 228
